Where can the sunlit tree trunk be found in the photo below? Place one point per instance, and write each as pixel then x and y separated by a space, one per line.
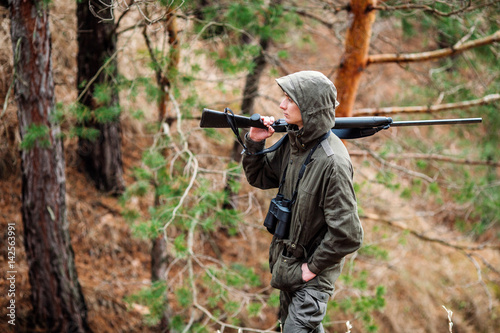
pixel 102 157
pixel 58 303
pixel 353 62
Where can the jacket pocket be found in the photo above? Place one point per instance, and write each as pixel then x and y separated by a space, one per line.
pixel 287 274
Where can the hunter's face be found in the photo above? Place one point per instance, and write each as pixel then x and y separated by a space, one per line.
pixel 291 112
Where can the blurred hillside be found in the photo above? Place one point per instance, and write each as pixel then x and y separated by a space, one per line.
pixel 426 246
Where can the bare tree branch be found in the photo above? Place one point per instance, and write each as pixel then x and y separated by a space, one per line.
pixel 305 13
pixel 157 67
pixel 417 234
pixel 464 249
pixel 481 281
pixel 431 55
pixel 433 157
pixel 415 6
pixel 487 264
pixel 427 108
pixel 394 166
pixel 226 325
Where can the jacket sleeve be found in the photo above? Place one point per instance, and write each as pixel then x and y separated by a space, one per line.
pixel 262 171
pixel 344 232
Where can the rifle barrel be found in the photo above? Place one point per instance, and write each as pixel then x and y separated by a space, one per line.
pixel 436 122
pixel 361 122
pixel 344 128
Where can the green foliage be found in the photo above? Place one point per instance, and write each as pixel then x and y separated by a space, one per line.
pixel 107 114
pixel 241 275
pixel 231 31
pixel 79 120
pixel 184 297
pixel 163 182
pixel 483 196
pixel 364 304
pixel 490 138
pixel 103 93
pixel 407 27
pixel 148 229
pixel 180 245
pixel 232 306
pixel 153 160
pixel 154 298
pixel 387 178
pixel 374 251
pixel 236 58
pixel 36 135
pixel 274 299
pixel 88 133
pixel 254 309
pixel 471 188
pixel 240 25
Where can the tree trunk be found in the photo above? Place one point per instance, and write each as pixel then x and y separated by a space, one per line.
pixel 252 82
pixel 250 91
pixel 164 77
pixel 247 107
pixel 353 62
pixel 173 64
pixel 164 80
pixel 101 158
pixel 58 303
pixel 159 258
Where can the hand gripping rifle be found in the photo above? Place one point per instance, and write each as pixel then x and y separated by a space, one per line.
pixel 344 128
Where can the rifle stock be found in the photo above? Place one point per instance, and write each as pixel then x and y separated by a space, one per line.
pixel 344 128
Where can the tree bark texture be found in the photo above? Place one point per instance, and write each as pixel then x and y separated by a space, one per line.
pixel 58 303
pixel 173 63
pixel 251 89
pixel 250 92
pixel 164 76
pixel 253 78
pixel 353 62
pixel 159 258
pixel 101 158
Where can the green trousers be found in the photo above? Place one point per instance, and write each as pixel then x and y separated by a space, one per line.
pixel 303 310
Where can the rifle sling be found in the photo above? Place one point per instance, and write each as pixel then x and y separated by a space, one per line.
pixel 342 133
pixel 302 168
pixel 230 117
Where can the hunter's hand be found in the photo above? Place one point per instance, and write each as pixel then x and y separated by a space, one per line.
pixel 258 134
pixel 307 275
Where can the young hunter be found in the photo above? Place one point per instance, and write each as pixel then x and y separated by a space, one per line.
pixel 307 251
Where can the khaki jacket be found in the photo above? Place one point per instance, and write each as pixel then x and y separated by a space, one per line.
pixel 325 226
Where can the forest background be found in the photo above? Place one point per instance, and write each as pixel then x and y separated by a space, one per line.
pixel 126 216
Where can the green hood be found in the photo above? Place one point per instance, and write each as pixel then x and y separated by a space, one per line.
pixel 316 97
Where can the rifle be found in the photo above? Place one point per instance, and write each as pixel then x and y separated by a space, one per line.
pixel 344 128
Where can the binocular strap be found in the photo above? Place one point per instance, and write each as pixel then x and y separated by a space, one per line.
pixel 328 151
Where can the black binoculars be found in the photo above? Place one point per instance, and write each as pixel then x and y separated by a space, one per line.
pixel 278 218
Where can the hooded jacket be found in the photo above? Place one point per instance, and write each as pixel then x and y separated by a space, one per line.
pixel 324 225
